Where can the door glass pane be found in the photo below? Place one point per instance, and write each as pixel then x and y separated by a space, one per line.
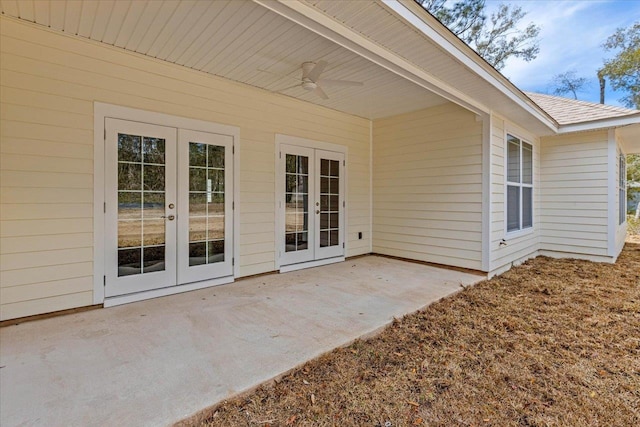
pixel 206 203
pixel 141 198
pixel 296 203
pixel 329 202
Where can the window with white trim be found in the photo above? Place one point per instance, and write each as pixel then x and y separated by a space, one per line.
pixel 622 189
pixel 519 184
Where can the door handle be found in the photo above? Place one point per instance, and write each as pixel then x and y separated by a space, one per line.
pixel 318 211
pixel 170 217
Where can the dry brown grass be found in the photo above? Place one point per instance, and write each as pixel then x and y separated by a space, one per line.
pixel 549 343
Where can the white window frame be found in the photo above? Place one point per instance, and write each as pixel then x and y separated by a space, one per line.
pixel 622 189
pixel 522 230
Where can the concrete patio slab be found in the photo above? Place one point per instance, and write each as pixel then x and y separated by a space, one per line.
pixel 158 361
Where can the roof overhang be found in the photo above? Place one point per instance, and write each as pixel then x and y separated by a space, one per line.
pixel 415 14
pixel 600 124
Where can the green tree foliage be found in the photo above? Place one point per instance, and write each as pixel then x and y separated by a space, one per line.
pixel 496 38
pixel 623 70
pixel 568 82
pixel 633 168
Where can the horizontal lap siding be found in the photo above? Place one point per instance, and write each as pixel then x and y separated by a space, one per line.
pixel 574 175
pixel 49 84
pixel 427 186
pixel 525 245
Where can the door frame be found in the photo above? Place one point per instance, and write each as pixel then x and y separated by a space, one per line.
pixel 102 111
pixel 281 139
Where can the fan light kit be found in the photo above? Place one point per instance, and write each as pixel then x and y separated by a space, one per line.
pixel 311 81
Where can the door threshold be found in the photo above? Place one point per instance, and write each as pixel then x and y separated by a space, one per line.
pixel 171 290
pixel 309 264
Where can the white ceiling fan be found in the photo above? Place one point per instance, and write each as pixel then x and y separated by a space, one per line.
pixel 311 80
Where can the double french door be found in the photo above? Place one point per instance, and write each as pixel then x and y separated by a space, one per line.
pixel 312 205
pixel 168 206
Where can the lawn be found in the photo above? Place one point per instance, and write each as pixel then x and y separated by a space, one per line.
pixel 551 342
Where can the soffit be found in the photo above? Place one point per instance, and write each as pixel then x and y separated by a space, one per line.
pixel 630 136
pixel 231 39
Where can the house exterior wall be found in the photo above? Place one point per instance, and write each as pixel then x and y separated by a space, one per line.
pixel 427 186
pixel 49 84
pixel 510 248
pixel 575 194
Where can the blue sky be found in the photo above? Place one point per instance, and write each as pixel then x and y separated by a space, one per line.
pixel 571 36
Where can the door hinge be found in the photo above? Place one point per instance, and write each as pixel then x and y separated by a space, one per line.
pixel 233 149
pixel 342 245
pixel 104 281
pixel 233 205
pixel 104 207
pixel 105 134
pixel 344 163
pixel 233 261
pixel 281 154
pixel 344 204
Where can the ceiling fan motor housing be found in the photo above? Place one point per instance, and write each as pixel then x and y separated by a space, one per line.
pixel 308 85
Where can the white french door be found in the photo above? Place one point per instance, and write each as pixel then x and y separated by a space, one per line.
pixel 312 205
pixel 168 206
pixel 205 190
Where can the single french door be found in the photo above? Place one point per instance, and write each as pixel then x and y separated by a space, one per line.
pixel 168 206
pixel 313 204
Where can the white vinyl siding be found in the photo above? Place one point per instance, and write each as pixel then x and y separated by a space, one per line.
pixel 574 193
pixel 427 186
pixel 505 248
pixel 49 83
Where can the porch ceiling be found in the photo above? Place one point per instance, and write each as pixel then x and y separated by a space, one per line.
pixel 231 39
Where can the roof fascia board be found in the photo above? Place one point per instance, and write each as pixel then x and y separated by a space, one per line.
pixel 600 124
pixel 325 26
pixel 452 44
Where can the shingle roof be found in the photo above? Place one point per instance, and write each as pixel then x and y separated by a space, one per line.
pixel 570 111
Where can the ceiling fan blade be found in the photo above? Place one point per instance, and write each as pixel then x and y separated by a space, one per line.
pixel 336 83
pixel 318 91
pixel 315 72
pixel 286 88
pixel 279 75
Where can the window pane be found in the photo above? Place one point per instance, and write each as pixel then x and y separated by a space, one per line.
pixel 513 160
pixel 153 178
pixel 153 150
pixel 216 156
pixel 129 148
pixel 527 163
pixel 197 154
pixel 197 253
pixel 215 251
pixel 153 259
pixel 129 176
pixel 513 208
pixel 527 207
pixel 129 262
